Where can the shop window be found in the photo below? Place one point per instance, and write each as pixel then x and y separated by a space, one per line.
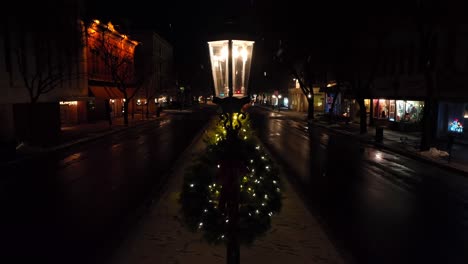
pixel 414 110
pixel 375 102
pixel 400 110
pixel 381 108
pixel 367 105
pixel 319 100
pixel 409 111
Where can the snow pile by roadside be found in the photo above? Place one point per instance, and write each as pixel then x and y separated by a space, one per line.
pixel 434 153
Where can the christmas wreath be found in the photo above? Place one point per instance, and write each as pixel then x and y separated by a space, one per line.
pixel 204 190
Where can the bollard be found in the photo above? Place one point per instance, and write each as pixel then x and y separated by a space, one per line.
pixel 379 134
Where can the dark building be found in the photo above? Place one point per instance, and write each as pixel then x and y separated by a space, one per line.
pixel 154 62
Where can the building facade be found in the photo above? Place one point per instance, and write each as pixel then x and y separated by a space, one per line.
pixel 154 62
pixel 403 84
pixel 110 71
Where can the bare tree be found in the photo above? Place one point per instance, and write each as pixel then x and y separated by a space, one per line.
pixel 48 53
pixel 47 48
pixel 362 70
pixel 427 17
pixel 301 67
pixel 117 54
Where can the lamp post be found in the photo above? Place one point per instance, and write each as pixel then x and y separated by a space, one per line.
pixel 279 102
pixel 230 65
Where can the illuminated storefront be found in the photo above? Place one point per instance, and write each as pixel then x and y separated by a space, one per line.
pixel 350 109
pixel 319 101
pixel 72 112
pixel 299 102
pixel 398 110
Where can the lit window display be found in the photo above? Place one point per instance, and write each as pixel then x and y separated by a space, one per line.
pixel 319 100
pixel 409 111
pixel 401 110
pixel 398 110
pixel 455 126
pixel 381 108
pixel 367 105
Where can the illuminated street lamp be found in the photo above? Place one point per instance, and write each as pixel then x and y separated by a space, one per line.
pixel 230 66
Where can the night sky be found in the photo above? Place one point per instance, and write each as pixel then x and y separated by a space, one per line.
pixel 188 25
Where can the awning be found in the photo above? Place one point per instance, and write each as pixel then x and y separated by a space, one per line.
pixel 104 92
pixel 325 89
pixel 75 98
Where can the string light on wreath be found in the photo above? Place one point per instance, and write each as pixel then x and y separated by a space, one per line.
pixel 260 196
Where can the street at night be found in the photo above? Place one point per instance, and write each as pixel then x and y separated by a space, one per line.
pixel 228 132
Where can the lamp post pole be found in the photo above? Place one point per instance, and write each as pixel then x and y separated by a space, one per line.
pixel 230 68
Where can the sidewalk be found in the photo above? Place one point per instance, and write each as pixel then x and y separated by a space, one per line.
pixel 403 143
pixel 77 134
pixel 161 237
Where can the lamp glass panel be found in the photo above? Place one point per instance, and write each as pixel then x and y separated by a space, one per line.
pixel 219 66
pixel 241 61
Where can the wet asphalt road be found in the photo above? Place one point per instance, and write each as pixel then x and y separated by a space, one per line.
pixel 377 206
pixel 73 206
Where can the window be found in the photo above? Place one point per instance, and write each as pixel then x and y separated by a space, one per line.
pixel 94 61
pixel 381 108
pixel 409 111
pixel 7 49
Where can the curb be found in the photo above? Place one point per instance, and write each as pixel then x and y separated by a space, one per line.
pixel 421 158
pixel 71 144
